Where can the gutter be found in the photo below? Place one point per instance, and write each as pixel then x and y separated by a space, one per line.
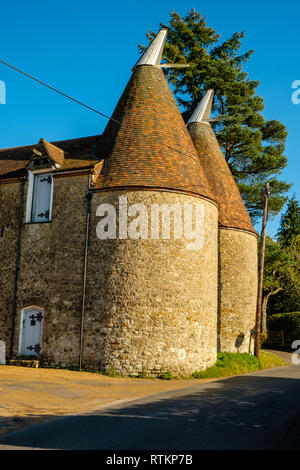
pixel 89 196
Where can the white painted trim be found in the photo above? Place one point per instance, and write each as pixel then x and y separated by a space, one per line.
pixel 42 170
pixel 23 310
pixel 51 197
pixel 29 196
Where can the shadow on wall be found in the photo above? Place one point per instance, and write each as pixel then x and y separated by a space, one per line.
pixel 239 341
pixel 245 412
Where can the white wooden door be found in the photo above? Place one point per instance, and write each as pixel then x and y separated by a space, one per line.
pixel 31 331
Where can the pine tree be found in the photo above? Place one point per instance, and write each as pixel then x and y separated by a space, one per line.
pixel 289 227
pixel 253 147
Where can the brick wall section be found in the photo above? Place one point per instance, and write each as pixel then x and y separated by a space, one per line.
pixel 9 220
pixel 151 304
pixel 237 290
pixel 51 271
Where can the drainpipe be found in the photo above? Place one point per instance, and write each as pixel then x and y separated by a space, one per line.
pixel 18 254
pixel 89 196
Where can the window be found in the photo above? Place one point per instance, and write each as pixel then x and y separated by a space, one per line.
pixel 39 197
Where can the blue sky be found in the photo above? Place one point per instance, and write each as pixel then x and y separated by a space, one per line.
pixel 87 49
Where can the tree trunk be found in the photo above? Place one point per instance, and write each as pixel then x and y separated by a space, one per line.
pixel 264 308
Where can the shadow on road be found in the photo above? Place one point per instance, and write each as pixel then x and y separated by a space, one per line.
pixel 244 412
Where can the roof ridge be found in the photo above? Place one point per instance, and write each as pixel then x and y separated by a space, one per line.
pixel 53 142
pixel 17 148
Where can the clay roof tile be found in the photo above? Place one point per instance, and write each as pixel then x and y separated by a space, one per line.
pixel 70 154
pixel 232 212
pixel 151 146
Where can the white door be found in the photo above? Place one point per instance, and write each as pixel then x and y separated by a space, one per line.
pixel 31 332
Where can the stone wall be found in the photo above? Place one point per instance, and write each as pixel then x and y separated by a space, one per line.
pixel 151 304
pixel 51 271
pixel 237 290
pixel 9 222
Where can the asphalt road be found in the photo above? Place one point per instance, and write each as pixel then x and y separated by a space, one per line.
pixel 255 411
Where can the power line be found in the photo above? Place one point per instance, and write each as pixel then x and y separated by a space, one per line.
pixel 57 91
pixel 92 109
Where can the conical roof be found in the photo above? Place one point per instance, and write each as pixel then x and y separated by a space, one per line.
pixel 151 146
pixel 232 212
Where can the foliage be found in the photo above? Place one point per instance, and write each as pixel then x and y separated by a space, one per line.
pixel 278 266
pixel 289 323
pixel 263 338
pixel 282 262
pixel 166 376
pixel 253 147
pixel 140 375
pixel 111 372
pixel 284 301
pixel 281 277
pixel 229 364
pixel 290 223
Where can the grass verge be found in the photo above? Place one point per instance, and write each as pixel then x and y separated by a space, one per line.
pixel 229 364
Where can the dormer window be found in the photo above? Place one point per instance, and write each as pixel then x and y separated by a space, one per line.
pixel 40 162
pixel 39 202
pixel 45 159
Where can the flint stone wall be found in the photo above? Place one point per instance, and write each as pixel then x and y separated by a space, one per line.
pixel 51 271
pixel 151 304
pixel 9 222
pixel 238 280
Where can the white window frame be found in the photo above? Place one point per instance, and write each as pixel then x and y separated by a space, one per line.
pixel 28 214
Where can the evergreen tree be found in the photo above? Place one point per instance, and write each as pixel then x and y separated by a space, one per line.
pixel 290 223
pixel 253 147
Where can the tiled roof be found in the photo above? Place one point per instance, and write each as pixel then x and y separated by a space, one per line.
pixel 232 213
pixel 78 153
pixel 151 146
pixel 54 152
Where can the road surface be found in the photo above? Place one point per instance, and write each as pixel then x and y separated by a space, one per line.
pixel 253 411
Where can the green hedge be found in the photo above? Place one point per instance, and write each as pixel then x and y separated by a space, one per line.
pixel 283 329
